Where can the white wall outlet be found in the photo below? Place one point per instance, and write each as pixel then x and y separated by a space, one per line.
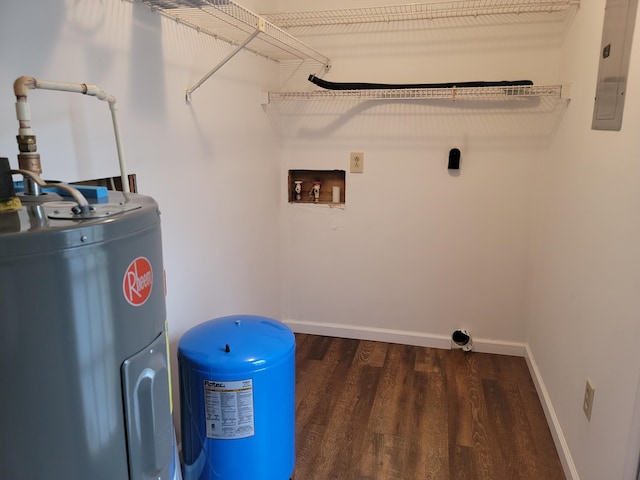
pixel 587 404
pixel 357 162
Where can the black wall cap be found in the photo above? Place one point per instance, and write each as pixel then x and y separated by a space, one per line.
pixel 454 159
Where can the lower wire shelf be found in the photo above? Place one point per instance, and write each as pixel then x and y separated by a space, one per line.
pixel 454 93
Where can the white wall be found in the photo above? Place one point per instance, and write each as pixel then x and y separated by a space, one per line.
pixel 212 165
pixel 417 251
pixel 584 303
pixel 534 242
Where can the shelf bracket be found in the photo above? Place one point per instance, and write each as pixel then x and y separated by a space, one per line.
pixel 241 46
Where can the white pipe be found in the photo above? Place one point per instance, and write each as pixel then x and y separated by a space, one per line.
pixel 124 178
pixel 23 84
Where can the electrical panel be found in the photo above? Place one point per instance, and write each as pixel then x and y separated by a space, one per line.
pixel 615 52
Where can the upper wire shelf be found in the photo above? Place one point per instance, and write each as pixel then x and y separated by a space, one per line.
pixel 228 21
pixel 420 11
pixel 462 93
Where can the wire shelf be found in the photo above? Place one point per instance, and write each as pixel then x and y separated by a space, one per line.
pixel 420 11
pixel 462 93
pixel 228 21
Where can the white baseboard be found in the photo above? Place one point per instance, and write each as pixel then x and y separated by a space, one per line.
pixel 370 333
pixel 405 337
pixel 569 467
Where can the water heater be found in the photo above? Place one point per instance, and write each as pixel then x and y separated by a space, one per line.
pixel 83 345
pixel 83 351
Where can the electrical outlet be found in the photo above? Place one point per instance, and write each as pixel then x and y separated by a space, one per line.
pixel 587 404
pixel 357 162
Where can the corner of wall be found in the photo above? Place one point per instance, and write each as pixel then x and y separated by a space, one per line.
pixel 552 419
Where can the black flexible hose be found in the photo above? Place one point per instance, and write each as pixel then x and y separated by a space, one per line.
pixel 383 86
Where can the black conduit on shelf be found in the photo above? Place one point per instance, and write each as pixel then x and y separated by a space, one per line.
pixel 382 86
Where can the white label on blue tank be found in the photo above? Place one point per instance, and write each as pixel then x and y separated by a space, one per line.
pixel 229 409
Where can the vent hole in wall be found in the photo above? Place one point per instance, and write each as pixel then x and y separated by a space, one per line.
pixel 462 339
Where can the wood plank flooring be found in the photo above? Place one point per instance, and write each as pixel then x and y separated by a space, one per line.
pixel 371 410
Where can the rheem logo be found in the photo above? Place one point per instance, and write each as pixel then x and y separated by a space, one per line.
pixel 138 281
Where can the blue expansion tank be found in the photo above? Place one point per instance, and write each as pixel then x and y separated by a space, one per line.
pixel 237 394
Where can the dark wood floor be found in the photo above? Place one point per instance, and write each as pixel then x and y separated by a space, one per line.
pixel 372 410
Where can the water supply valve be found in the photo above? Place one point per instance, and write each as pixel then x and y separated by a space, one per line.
pixel 315 191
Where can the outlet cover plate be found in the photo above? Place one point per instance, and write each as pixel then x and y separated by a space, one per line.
pixel 587 405
pixel 357 162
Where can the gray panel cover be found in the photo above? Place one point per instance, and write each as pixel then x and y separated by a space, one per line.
pixel 613 70
pixel 145 379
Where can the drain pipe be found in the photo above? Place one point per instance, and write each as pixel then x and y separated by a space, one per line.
pixel 28 158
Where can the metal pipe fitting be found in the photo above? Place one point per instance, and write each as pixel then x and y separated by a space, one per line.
pixel 27 140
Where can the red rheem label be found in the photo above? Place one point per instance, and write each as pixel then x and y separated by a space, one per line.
pixel 138 281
